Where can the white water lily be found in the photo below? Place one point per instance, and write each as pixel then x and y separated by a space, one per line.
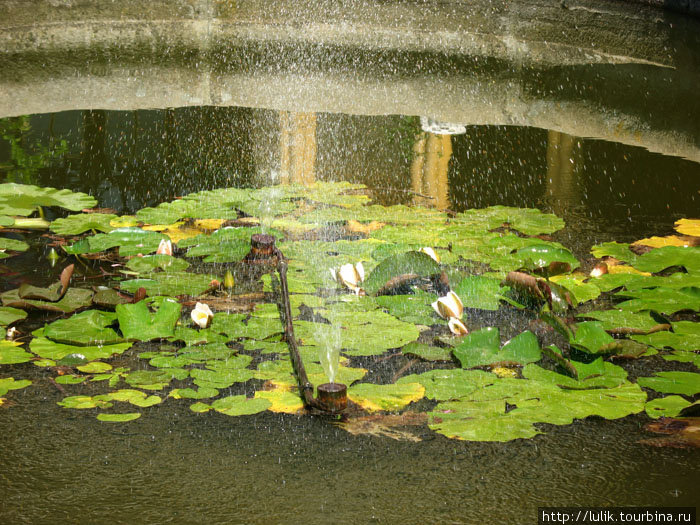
pixel 430 253
pixel 202 315
pixel 457 327
pixel 449 305
pixel 350 275
pixel 165 247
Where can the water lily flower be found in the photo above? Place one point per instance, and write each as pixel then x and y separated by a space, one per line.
pixel 202 315
pixel 165 247
pixel 430 253
pixel 449 305
pixel 350 275
pixel 457 327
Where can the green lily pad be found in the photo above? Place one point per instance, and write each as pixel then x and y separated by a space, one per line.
pixel 582 291
pixel 664 300
pixel 138 323
pixel 590 336
pixel 10 315
pixel 416 263
pixel 542 255
pixel 282 401
pixel 150 263
pixel 661 258
pixel 526 220
pixel 95 367
pixel 48 349
pixel 483 348
pixel 73 299
pixel 684 357
pixel 13 245
pixel 83 222
pixel 427 352
pixel 614 319
pixel 24 199
pixel 445 385
pixel 9 383
pixel 70 380
pixel 154 379
pixel 685 336
pixel 224 245
pixel 240 405
pixel 619 251
pixel 12 354
pixel 86 402
pixel 109 298
pixel 170 283
pixel 90 328
pixel 480 292
pixel 131 241
pixel 687 383
pixel 135 397
pixel 190 393
pixel 597 374
pixel 118 418
pixel 410 308
pixel 669 406
pixel 385 397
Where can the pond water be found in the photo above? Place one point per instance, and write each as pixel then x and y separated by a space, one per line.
pixel 172 465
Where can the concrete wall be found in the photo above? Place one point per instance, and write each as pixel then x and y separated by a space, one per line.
pixel 598 68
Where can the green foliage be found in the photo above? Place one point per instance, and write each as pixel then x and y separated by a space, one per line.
pixel 83 222
pixel 138 323
pixel 25 199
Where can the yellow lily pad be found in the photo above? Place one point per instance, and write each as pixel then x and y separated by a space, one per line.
pixel 623 268
pixel 385 397
pixel 688 227
pixel 660 242
pixel 126 221
pixel 281 401
pixel 180 230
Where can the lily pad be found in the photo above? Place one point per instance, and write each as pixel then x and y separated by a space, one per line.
pixel 86 402
pixel 95 367
pixel 73 299
pixel 138 323
pixel 10 383
pixel 24 199
pixel 150 263
pixel 170 283
pixel 480 292
pixel 615 319
pixel 661 258
pixel 281 401
pixel 526 220
pixel 482 348
pixel 9 315
pixel 90 328
pixel 445 385
pixel 190 393
pixel 582 291
pixel 664 300
pixel 14 245
pixel 685 336
pixel 619 251
pixel 410 308
pixel 135 397
pixel 385 397
pixel 416 263
pixel 118 418
pixel 12 354
pixel 687 383
pixel 48 349
pixel 590 336
pixel 688 227
pixel 224 245
pixel 542 255
pixel 131 241
pixel 669 406
pixel 240 405
pixel 427 352
pixel 154 379
pixel 83 222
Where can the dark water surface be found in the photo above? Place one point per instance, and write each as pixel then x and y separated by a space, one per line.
pixel 174 466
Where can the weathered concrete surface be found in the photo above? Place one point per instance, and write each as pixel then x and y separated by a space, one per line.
pixel 597 68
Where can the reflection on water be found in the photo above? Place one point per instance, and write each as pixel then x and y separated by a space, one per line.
pixel 132 159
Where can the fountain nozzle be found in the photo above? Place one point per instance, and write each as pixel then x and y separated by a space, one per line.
pixel 262 249
pixel 332 397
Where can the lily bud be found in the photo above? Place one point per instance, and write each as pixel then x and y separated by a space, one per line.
pixel 457 327
pixel 599 269
pixel 448 306
pixel 350 276
pixel 202 315
pixel 430 253
pixel 228 280
pixel 165 247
